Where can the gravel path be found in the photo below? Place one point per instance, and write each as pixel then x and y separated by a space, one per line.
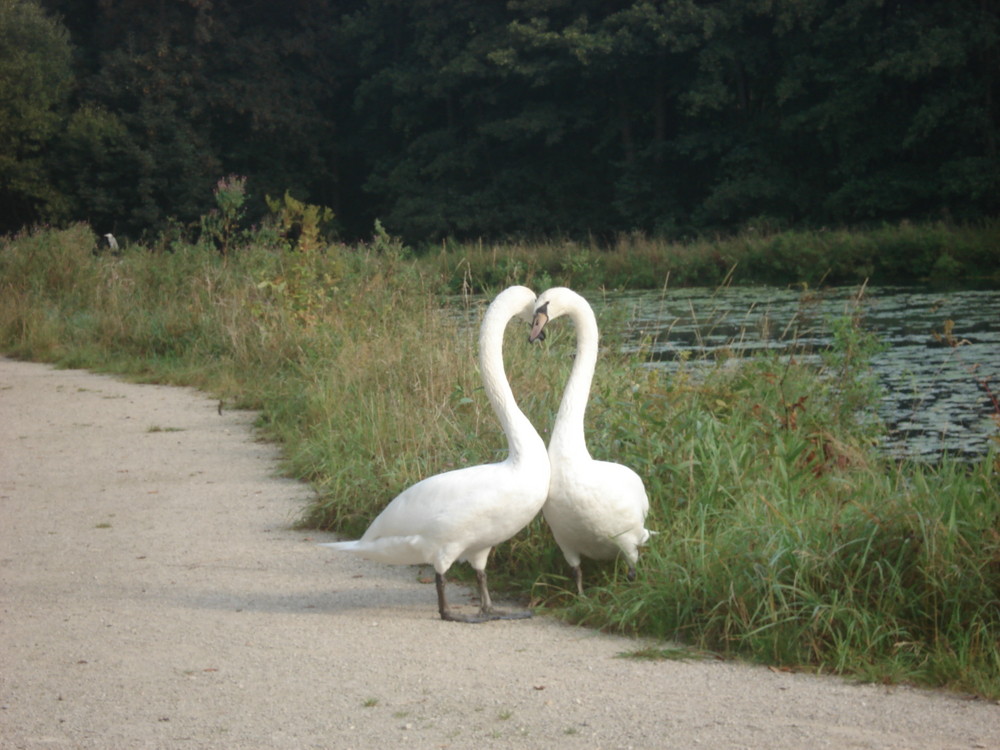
pixel 153 595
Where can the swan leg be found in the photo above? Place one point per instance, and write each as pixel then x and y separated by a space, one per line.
pixel 485 602
pixel 442 599
pixel 578 577
pixel 444 609
pixel 486 609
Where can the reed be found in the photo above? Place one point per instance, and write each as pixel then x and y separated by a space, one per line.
pixel 902 253
pixel 786 540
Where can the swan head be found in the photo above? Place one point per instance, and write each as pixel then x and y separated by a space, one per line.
pixel 549 305
pixel 515 302
pixel 527 311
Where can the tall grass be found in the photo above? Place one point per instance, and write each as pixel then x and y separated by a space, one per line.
pixel 888 254
pixel 783 537
pixel 358 370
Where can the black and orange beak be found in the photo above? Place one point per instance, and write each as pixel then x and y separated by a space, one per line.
pixel 537 324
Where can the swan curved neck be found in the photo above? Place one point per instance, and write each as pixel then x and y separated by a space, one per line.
pixel 522 438
pixel 567 434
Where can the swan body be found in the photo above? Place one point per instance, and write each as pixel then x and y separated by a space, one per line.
pixel 461 515
pixel 596 509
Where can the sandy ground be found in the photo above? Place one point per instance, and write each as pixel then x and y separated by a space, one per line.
pixel 154 595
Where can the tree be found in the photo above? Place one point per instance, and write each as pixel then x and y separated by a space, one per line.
pixel 185 91
pixel 896 99
pixel 35 82
pixel 467 118
pixel 97 167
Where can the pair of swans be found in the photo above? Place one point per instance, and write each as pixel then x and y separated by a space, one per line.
pixel 595 508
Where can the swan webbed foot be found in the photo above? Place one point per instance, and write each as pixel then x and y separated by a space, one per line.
pixel 449 616
pixel 499 614
pixel 481 616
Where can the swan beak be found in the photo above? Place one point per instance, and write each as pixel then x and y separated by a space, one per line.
pixel 537 334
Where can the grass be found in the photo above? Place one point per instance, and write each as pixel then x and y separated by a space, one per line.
pixel 905 253
pixel 783 537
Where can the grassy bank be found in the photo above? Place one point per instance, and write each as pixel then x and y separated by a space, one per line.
pixel 783 537
pixel 889 254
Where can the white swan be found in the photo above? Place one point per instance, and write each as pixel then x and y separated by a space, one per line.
pixel 462 514
pixel 595 508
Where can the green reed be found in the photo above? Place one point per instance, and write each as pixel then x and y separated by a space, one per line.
pixel 904 253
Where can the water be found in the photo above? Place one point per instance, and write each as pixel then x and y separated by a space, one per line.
pixel 939 389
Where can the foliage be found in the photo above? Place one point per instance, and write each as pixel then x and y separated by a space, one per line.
pixel 300 223
pixel 522 120
pixel 35 83
pixel 94 146
pixel 219 226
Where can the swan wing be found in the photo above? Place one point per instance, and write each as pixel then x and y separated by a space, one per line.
pixel 447 517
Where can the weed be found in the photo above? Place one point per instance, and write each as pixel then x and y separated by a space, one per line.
pixel 219 227
pixel 905 253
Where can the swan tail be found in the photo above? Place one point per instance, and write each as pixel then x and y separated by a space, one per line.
pixel 343 546
pixel 395 550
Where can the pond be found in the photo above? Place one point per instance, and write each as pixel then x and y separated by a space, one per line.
pixel 940 371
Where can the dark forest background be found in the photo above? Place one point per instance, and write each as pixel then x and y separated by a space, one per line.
pixel 527 118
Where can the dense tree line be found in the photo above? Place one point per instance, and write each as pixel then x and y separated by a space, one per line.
pixel 469 118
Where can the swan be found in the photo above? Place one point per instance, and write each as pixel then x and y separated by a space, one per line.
pixel 463 514
pixel 595 508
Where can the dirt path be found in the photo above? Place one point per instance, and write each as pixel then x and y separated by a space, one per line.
pixel 152 595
